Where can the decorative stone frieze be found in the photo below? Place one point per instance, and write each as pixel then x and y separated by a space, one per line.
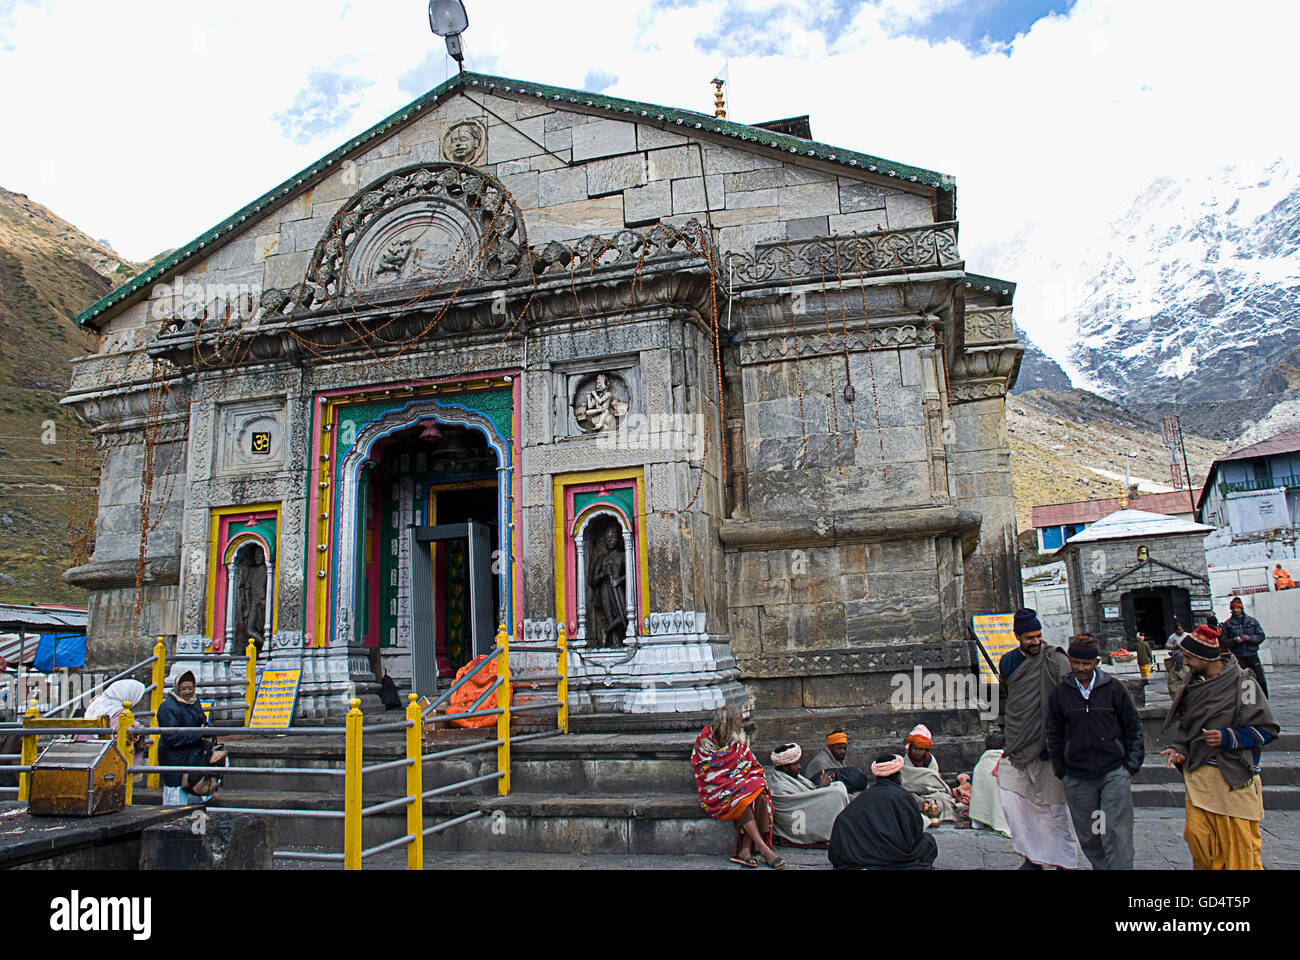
pixel 889 251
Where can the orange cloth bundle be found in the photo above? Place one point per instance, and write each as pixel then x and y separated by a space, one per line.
pixel 464 698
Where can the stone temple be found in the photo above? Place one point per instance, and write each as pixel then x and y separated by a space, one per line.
pixel 722 400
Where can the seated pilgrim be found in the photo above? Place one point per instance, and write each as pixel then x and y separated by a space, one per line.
pixel 882 828
pixel 831 757
pixel 803 812
pixel 986 797
pixel 921 777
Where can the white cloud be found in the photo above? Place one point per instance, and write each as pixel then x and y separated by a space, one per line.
pixel 149 123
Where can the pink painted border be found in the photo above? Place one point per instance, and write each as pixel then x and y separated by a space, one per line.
pixel 570 551
pixel 313 500
pixel 223 543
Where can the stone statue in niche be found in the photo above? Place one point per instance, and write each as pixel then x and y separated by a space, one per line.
pixel 250 599
pixel 464 142
pixel 606 584
pixel 600 408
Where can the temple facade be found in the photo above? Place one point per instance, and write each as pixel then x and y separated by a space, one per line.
pixel 722 401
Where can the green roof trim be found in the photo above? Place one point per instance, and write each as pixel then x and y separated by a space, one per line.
pixel 630 110
pixel 1002 288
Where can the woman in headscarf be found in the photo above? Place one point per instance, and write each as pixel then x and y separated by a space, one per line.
pixel 732 787
pixel 181 708
pixel 111 702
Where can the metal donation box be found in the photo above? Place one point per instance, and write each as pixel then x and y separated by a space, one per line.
pixel 71 779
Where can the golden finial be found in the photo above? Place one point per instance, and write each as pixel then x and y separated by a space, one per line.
pixel 719 101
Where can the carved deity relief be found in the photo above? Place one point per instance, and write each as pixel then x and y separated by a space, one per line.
pixel 465 142
pixel 427 242
pixel 601 404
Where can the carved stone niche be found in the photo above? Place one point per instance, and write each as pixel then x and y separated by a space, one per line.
pixel 596 396
pixel 431 242
pixel 465 142
pixel 252 436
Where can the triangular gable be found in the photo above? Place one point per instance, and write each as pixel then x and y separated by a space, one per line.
pixel 1151 562
pixel 626 109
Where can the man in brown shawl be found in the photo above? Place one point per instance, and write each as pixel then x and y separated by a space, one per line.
pixel 1216 727
pixel 1033 799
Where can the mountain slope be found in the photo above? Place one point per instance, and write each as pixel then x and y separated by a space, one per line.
pixel 49 270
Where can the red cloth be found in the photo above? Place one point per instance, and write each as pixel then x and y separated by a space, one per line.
pixel 727 780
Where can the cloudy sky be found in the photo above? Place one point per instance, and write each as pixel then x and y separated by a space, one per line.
pixel 145 122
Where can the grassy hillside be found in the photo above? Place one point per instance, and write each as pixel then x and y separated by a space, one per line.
pixel 49 271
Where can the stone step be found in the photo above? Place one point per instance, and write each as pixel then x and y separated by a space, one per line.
pixel 1285 797
pixel 1278 768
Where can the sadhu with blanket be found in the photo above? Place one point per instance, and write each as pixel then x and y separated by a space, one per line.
pixel 732 787
pixel 1216 727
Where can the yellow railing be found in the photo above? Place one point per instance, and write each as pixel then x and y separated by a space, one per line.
pixel 354 769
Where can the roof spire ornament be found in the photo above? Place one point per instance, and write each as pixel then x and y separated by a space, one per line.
pixel 719 101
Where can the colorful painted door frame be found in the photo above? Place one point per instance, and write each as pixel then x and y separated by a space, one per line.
pixel 231 529
pixel 346 426
pixel 579 498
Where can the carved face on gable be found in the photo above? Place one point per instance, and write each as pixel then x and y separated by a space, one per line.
pixel 464 142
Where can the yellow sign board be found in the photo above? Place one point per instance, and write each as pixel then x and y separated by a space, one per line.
pixel 277 694
pixel 996 634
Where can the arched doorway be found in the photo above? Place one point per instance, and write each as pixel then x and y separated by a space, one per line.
pixel 427 465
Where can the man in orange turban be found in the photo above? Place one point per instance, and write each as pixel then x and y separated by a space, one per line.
pixel 831 757
pixel 921 777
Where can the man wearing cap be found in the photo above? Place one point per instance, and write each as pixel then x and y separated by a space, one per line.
pixel 831 757
pixel 803 812
pixel 1033 797
pixel 1216 727
pixel 1094 738
pixel 1242 636
pixel 882 829
pixel 921 777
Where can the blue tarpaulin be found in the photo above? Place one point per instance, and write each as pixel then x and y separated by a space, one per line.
pixel 59 650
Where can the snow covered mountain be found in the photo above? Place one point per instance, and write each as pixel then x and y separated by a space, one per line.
pixel 1193 294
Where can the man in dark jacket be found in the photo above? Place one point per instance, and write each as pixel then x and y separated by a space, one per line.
pixel 181 708
pixel 1242 636
pixel 1094 738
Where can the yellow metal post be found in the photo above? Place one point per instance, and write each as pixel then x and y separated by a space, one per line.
pixel 250 681
pixel 352 789
pixel 153 781
pixel 28 754
pixel 562 688
pixel 503 719
pixel 415 786
pixel 125 721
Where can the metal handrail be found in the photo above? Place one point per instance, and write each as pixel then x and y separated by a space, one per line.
pixel 486 693
pixel 550 705
pixel 228 731
pixel 285 812
pixel 296 855
pixel 462 783
pixel 443 718
pixel 121 676
pixel 455 821
pixel 187 657
pixel 386 846
pixel 388 805
pixel 264 771
pixel 474 748
pixel 487 658
pixel 387 765
pixel 382 727
pixel 516 680
pixel 535 647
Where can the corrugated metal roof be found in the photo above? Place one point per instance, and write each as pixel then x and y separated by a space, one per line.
pixel 1288 441
pixel 1124 524
pixel 1090 511
pixel 46 619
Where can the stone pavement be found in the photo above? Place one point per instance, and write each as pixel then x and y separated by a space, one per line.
pixel 1158 831
pixel 1158 841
